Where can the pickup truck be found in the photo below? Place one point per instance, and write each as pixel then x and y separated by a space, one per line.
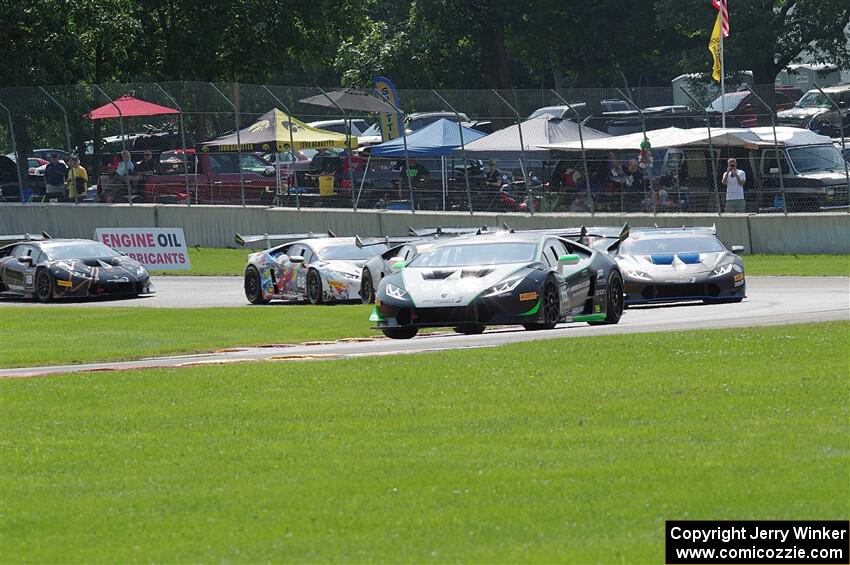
pixel 213 178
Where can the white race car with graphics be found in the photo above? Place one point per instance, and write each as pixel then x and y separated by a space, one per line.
pixel 316 270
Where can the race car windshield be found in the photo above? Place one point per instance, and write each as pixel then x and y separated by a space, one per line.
pixel 80 251
pixel 672 245
pixel 465 255
pixel 351 252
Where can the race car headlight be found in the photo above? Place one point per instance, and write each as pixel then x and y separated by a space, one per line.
pixel 635 274
pixel 725 270
pixel 141 271
pixel 396 292
pixel 343 276
pixel 506 285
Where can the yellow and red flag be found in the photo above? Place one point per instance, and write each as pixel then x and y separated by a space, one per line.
pixel 714 47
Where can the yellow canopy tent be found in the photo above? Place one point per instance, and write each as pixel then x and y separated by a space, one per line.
pixel 276 130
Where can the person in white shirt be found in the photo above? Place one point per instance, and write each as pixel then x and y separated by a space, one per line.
pixel 734 180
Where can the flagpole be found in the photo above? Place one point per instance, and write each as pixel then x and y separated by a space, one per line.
pixel 722 80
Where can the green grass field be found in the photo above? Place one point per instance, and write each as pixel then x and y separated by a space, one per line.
pixel 80 335
pixel 210 261
pixel 574 450
pixel 797 265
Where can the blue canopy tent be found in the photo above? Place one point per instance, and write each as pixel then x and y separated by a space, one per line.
pixel 436 140
pixel 439 139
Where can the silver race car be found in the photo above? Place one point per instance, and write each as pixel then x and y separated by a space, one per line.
pixel 533 279
pixel 670 265
pixel 316 270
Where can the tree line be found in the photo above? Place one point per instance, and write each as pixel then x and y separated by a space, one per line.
pixel 417 43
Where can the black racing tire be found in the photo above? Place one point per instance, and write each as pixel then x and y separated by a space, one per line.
pixel 314 288
pixel 615 298
pixel 470 329
pixel 367 288
pixel 43 286
pixel 723 300
pixel 550 306
pixel 400 333
pixel 253 286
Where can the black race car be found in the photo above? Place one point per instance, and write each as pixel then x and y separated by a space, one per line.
pixel 533 279
pixel 66 268
pixel 671 265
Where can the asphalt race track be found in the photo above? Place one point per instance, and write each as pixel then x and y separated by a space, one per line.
pixel 771 301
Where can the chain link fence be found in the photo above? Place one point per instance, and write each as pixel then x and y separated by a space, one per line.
pixel 497 160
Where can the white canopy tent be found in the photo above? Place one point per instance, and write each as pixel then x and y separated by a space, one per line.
pixel 677 137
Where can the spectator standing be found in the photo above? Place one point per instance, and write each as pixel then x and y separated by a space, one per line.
pixel 54 178
pixel 78 181
pixel 494 177
pixel 734 180
pixel 634 186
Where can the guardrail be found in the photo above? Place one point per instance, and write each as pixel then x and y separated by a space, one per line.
pixel 214 226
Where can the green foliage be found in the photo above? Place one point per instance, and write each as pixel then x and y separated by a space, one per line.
pixel 418 43
pixel 572 451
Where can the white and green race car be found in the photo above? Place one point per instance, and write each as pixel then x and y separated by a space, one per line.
pixel 533 279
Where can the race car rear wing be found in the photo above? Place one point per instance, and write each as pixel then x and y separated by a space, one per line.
pixel 711 230
pixel 25 237
pixel 386 240
pixel 285 237
pixel 438 231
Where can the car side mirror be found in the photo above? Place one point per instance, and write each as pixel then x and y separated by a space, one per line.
pixel 296 258
pixel 564 260
pixel 397 263
pixel 25 260
pixel 737 249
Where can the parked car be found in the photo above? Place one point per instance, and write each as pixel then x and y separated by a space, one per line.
pixel 213 178
pixel 743 109
pixel 36 167
pixel 814 111
pixel 358 126
pixel 564 112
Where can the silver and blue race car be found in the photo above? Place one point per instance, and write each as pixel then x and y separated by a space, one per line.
pixel 533 279
pixel 316 270
pixel 684 264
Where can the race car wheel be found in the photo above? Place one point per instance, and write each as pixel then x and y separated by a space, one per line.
pixel 550 308
pixel 253 286
pixel 400 333
pixel 314 287
pixel 614 308
pixel 43 286
pixel 470 329
pixel 367 290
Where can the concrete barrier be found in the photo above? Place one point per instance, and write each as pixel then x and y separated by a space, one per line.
pixel 215 226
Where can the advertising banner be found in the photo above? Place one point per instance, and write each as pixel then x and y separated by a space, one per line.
pixel 161 249
pixel 390 122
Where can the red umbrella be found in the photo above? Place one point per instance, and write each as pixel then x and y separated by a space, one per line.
pixel 129 107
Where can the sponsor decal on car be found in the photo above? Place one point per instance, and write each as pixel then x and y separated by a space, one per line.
pixel 64 283
pixel 527 296
pixel 600 274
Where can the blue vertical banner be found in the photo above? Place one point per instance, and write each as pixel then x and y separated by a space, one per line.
pixel 390 122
